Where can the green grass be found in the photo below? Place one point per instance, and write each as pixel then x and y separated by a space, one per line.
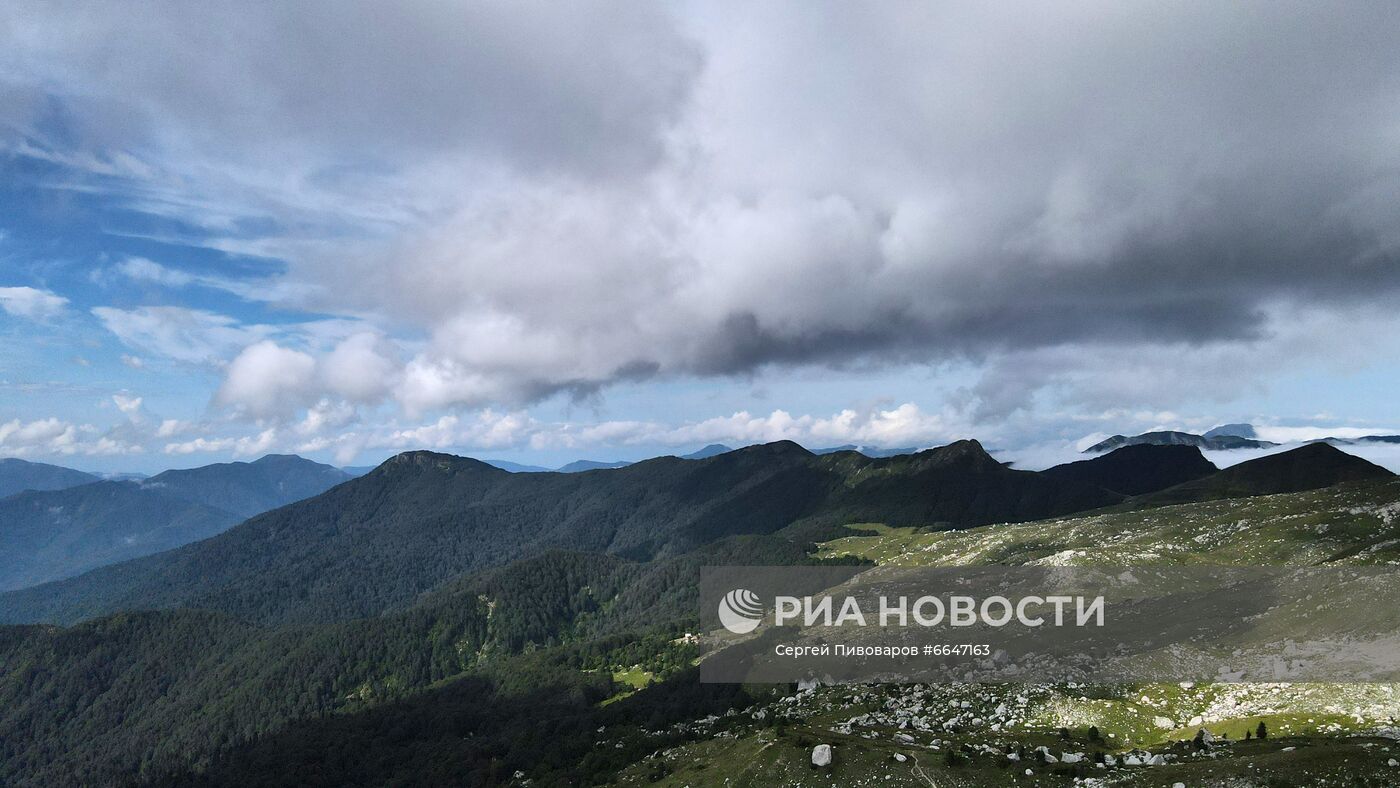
pixel 1330 728
pixel 1347 524
pixel 633 677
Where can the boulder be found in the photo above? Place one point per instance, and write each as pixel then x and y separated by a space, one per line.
pixel 821 755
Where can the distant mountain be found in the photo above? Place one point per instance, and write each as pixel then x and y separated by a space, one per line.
pixel 60 533
pixel 869 451
pixel 1138 469
pixel 709 451
pixel 578 466
pixel 249 488
pixel 358 470
pixel 1309 467
pixel 1232 431
pixel 20 475
pixel 1171 438
pixel 376 543
pixel 515 467
pixel 1380 439
pixel 55 534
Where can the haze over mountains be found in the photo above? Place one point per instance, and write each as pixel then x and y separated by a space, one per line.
pixel 50 534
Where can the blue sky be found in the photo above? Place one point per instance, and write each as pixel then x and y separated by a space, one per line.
pixel 628 230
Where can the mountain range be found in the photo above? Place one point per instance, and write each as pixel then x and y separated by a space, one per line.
pixel 377 542
pixel 1216 442
pixel 1222 438
pixel 19 475
pixel 51 534
pixel 439 620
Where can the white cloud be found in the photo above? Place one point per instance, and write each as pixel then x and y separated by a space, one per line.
pixel 244 446
pixel 193 336
pixel 32 303
pixel 142 269
pixel 362 368
pixel 52 437
pixel 130 406
pixel 267 380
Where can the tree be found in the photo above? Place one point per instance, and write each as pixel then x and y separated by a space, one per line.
pixel 1094 734
pixel 1262 732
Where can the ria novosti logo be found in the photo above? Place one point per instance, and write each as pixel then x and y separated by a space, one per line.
pixel 740 611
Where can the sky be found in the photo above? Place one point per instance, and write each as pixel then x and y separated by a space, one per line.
pixel 541 232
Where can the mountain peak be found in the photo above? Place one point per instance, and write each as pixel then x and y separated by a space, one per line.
pixel 1232 431
pixel 1218 442
pixel 423 458
pixel 775 448
pixel 712 450
pixel 968 452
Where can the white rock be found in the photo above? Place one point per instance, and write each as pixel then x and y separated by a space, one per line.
pixel 1070 757
pixel 821 755
pixel 1392 762
pixel 1156 760
pixel 1029 772
pixel 1178 785
pixel 1132 760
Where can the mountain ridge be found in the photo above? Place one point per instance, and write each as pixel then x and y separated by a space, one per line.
pixel 376 542
pixel 18 475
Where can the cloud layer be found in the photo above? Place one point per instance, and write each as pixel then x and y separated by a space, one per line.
pixel 1108 204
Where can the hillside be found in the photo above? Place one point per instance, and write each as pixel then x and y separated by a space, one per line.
pixel 545 717
pixel 1137 469
pixel 249 488
pixel 377 542
pixel 60 533
pixel 173 688
pixel 20 475
pixel 1309 467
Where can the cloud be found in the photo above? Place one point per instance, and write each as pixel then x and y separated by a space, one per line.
pixel 193 336
pixel 265 377
pixel 1085 204
pixel 129 406
pixel 141 269
pixel 32 303
pixel 269 380
pixel 245 446
pixel 52 437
